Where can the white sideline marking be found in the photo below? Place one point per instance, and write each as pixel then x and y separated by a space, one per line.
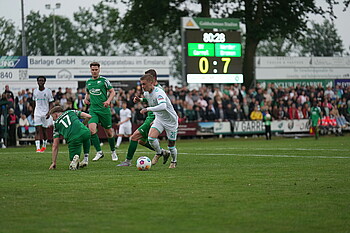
pixel 301 149
pixel 278 156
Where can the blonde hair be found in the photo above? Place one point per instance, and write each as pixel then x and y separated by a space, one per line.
pixel 56 109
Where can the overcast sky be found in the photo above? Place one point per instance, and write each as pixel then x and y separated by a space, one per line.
pixel 11 9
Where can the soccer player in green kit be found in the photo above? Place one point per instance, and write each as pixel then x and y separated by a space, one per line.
pixel 315 116
pixel 141 134
pixel 68 124
pixel 97 96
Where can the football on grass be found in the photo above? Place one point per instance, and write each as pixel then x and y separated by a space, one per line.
pixel 143 163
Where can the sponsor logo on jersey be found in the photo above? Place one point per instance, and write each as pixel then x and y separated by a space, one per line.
pixel 95 91
pixel 160 97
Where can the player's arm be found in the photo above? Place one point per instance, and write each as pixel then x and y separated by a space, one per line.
pixel 110 97
pixel 139 99
pixel 55 144
pixel 126 120
pixel 158 108
pixel 87 98
pixel 86 117
pixel 48 113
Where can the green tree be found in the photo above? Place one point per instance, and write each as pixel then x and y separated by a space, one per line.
pixel 39 34
pixel 263 20
pixel 277 47
pixel 8 37
pixel 98 30
pixel 321 40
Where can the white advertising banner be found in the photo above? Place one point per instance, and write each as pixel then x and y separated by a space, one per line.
pixel 302 73
pixel 13 74
pixel 114 68
pixel 248 127
pixel 283 126
pixel 269 68
pixel 222 127
pixel 291 126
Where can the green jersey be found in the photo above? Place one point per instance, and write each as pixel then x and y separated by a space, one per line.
pixel 98 90
pixel 315 115
pixel 69 126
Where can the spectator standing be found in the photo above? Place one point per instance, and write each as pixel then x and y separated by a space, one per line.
pixel 293 112
pixel 9 93
pixel 256 114
pixel 11 124
pixel 79 103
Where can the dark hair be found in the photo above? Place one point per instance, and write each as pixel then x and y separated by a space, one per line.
pixel 153 73
pixel 37 79
pixel 94 64
pixel 56 109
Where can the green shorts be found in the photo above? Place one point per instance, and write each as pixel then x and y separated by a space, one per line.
pixel 102 116
pixel 314 123
pixel 145 127
pixel 74 146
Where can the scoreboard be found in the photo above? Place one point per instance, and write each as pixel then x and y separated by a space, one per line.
pixel 213 56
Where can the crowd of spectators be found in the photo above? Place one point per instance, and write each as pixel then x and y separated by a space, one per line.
pixel 207 103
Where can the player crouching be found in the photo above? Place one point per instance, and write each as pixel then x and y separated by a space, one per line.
pixel 68 124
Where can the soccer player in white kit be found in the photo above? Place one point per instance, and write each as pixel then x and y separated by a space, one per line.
pixel 125 127
pixel 166 117
pixel 43 100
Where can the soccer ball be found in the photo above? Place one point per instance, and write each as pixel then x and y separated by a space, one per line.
pixel 143 163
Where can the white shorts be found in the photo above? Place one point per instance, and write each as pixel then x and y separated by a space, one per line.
pixel 41 120
pixel 125 129
pixel 171 131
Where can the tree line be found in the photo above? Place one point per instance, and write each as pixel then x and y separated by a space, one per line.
pixel 148 27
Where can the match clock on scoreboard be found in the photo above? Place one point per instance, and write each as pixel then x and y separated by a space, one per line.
pixel 213 57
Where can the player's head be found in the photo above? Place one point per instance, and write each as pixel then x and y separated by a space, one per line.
pixel 95 69
pixel 56 111
pixel 41 80
pixel 147 82
pixel 153 73
pixel 124 105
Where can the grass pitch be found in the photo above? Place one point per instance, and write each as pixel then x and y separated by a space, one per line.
pixel 220 185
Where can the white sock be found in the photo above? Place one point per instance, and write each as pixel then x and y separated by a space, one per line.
pixel 155 144
pixel 119 140
pixel 86 157
pixel 37 143
pixel 173 152
pixel 44 143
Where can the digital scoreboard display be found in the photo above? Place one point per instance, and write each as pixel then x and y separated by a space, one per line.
pixel 213 57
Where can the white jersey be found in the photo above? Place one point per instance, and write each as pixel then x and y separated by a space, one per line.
pixel 42 101
pixel 124 114
pixel 168 117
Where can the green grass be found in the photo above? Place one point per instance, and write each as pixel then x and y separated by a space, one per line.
pixel 220 185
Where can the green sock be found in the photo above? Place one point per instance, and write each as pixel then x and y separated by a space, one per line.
pixel 111 142
pixel 95 141
pixel 148 146
pixel 131 149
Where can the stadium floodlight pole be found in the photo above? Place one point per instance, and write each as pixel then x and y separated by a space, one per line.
pixel 58 6
pixel 24 46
